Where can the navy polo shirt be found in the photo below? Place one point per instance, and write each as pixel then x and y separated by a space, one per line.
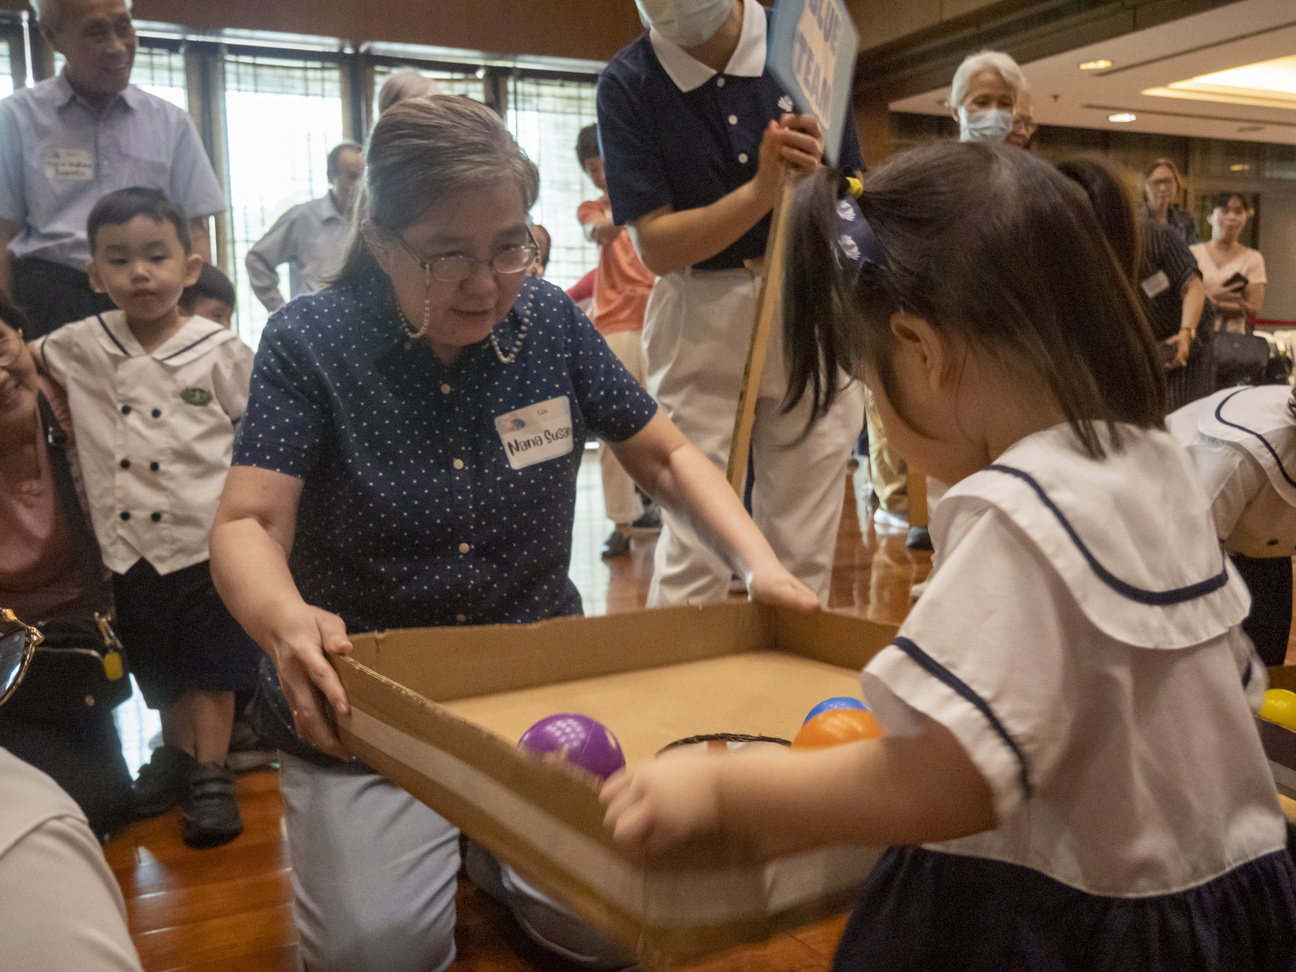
pixel 685 149
pixel 411 514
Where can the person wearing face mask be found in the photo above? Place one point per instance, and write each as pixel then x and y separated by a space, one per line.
pixel 984 94
pixel 694 134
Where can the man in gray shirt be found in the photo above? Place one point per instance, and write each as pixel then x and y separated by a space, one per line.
pixel 74 138
pixel 312 237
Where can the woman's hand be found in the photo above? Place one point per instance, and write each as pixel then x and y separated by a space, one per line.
pixel 660 804
pixel 297 643
pixel 774 585
pixel 801 142
pixel 1229 298
pixel 793 139
pixel 1182 343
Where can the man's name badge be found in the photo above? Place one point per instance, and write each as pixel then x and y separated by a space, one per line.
pixel 69 165
pixel 536 433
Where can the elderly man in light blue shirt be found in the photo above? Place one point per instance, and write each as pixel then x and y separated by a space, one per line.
pixel 74 138
pixel 312 237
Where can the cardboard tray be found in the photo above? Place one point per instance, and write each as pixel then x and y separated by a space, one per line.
pixel 439 710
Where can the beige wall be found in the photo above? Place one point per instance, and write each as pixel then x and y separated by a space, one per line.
pixel 555 28
pixel 883 21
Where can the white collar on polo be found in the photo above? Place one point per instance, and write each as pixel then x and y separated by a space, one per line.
pixel 748 60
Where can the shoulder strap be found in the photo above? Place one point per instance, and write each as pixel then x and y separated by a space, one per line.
pixel 89 560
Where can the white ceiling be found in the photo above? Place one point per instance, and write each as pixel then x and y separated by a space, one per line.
pixel 1226 37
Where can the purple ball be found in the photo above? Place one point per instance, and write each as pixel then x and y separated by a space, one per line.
pixel 578 739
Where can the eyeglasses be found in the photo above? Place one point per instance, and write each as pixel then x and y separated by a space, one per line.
pixel 11 345
pixel 17 648
pixel 457 267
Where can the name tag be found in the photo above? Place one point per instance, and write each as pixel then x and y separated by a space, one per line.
pixel 536 433
pixel 1158 283
pixel 69 165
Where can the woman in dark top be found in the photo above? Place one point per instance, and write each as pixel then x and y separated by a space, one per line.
pixel 1162 269
pixel 408 458
pixel 1163 191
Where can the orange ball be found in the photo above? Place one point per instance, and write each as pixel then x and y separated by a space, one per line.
pixel 837 726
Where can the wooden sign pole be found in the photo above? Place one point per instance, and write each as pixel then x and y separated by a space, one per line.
pixel 767 314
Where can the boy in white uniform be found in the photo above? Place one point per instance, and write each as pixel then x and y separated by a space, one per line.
pixel 1243 441
pixel 155 395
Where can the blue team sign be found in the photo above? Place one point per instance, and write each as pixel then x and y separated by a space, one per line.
pixel 812 55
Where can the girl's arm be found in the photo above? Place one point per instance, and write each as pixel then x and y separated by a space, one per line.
pixel 883 791
pixel 677 475
pixel 668 240
pixel 250 543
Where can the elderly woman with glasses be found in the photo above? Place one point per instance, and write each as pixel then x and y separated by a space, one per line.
pixel 408 458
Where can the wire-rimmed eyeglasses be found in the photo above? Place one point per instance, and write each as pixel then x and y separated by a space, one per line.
pixel 457 267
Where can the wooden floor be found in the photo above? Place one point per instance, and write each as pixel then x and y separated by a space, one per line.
pixel 229 908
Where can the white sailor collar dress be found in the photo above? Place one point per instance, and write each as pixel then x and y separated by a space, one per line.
pixel 1080 638
pixel 1243 441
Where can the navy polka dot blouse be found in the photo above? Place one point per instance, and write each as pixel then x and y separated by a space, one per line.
pixel 411 514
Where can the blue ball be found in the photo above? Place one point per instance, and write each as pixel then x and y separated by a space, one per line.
pixel 837 702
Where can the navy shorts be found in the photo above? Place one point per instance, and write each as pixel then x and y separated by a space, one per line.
pixel 178 634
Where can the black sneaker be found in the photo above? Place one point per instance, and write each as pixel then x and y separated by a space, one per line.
pixel 616 545
pixel 650 521
pixel 211 814
pixel 162 782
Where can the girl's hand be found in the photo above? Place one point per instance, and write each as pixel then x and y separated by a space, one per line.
pixel 299 639
pixel 1182 343
pixel 660 804
pixel 776 586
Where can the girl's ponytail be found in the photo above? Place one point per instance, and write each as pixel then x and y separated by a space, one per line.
pixel 817 305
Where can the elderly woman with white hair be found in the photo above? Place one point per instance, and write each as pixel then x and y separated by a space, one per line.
pixel 403 84
pixel 985 91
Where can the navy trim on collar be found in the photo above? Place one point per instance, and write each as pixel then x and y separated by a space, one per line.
pixel 209 334
pixel 1242 428
pixel 110 334
pixel 943 674
pixel 1177 595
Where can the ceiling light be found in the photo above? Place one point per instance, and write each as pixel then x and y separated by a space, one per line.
pixel 1265 84
pixel 1239 167
pixel 1097 65
pixel 1122 116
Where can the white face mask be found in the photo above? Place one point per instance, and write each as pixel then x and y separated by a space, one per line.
pixel 984 125
pixel 684 22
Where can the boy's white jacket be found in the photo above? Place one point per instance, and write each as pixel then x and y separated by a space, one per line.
pixel 154 432
pixel 1080 638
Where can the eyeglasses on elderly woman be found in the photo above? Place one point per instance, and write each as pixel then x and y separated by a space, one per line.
pixel 457 267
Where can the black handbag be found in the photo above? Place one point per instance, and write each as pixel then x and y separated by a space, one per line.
pixel 1240 359
pixel 79 666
